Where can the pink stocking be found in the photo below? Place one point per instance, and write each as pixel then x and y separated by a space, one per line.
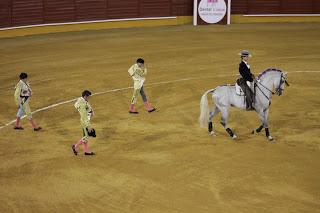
pixel 86 147
pixel 78 144
pixel 33 123
pixel 18 122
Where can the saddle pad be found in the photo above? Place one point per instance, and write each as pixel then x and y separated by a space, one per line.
pixel 239 90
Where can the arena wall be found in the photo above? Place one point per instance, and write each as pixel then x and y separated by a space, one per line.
pixel 252 11
pixel 35 12
pixel 45 16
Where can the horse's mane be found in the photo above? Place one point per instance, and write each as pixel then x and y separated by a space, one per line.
pixel 268 70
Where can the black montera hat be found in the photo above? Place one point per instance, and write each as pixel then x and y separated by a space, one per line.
pixel 140 60
pixel 86 93
pixel 23 75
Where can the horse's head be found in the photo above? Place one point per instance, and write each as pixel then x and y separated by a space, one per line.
pixel 273 78
pixel 280 83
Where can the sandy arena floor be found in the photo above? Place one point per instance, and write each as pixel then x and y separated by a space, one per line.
pixel 161 162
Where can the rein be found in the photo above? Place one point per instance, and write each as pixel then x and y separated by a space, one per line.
pixel 263 92
pixel 265 88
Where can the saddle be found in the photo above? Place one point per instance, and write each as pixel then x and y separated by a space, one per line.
pixel 239 90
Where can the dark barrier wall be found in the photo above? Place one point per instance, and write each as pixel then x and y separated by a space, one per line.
pixel 30 12
pixel 275 6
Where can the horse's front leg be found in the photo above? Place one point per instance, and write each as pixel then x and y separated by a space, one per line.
pixel 270 138
pixel 264 119
pixel 266 127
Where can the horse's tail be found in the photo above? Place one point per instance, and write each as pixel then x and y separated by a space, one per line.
pixel 204 109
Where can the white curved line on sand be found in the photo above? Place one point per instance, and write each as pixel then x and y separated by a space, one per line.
pixel 125 88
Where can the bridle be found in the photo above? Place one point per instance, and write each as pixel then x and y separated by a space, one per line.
pixel 282 80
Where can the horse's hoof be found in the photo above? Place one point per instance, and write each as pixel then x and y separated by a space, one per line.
pixel 255 132
pixel 234 137
pixel 212 133
pixel 270 138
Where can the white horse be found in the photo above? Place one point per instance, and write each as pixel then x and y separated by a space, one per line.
pixel 225 97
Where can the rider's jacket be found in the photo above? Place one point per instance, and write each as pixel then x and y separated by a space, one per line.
pixel 244 70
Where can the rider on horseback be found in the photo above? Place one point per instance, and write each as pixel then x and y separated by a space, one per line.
pixel 246 80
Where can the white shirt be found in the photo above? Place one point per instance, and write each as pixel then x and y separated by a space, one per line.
pixel 247 64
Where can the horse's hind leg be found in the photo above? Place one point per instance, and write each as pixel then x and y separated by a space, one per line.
pixel 224 119
pixel 258 130
pixel 210 125
pixel 230 132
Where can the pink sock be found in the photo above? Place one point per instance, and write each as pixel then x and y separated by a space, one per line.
pixel 18 122
pixel 85 147
pixel 78 144
pixel 34 125
pixel 148 105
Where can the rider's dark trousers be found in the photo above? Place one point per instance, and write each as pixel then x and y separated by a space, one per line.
pixel 247 92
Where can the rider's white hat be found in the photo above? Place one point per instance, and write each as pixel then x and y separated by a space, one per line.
pixel 244 53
